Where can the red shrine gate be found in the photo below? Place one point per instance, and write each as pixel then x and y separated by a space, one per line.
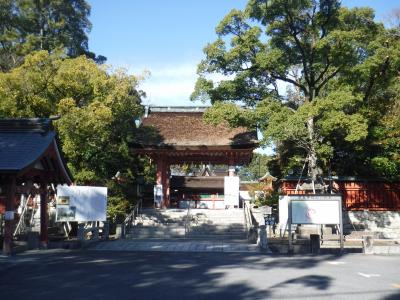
pixel 179 135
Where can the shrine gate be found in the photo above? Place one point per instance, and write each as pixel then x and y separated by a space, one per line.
pixel 179 135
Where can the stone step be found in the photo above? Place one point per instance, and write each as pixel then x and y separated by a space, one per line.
pixel 205 229
pixel 175 246
pixel 221 237
pixel 217 229
pixel 206 237
pixel 204 224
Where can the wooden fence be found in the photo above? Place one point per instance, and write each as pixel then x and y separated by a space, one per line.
pixel 358 194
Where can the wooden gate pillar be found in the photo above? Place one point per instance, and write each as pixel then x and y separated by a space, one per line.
pixel 44 240
pixel 163 178
pixel 9 216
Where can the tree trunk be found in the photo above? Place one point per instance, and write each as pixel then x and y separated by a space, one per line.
pixel 312 153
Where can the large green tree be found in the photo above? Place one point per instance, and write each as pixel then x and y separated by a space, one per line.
pixel 97 109
pixel 333 60
pixel 29 25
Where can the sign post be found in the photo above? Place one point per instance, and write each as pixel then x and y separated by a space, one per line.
pixel 81 203
pixel 315 209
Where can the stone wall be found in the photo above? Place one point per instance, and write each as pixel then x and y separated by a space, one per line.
pixel 382 224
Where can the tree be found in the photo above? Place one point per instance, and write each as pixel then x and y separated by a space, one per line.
pixel 333 60
pixel 96 108
pixel 257 167
pixel 27 26
pixel 9 24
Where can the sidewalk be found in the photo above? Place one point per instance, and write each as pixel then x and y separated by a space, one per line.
pixel 174 246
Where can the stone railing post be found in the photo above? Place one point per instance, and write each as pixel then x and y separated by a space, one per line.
pixel 262 238
pixel 368 244
pixel 120 231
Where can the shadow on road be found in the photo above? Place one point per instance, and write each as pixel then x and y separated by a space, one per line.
pixel 155 275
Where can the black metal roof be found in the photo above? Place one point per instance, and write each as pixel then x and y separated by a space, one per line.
pixel 23 142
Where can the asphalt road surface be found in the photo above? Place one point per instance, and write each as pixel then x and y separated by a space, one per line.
pixel 69 274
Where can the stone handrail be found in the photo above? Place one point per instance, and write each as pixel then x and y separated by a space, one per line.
pixel 251 225
pixel 131 217
pixel 256 232
pixel 187 222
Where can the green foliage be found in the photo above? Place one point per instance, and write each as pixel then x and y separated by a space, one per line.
pixel 27 26
pixel 340 67
pixel 97 110
pixel 117 208
pixel 384 166
pixel 269 199
pixel 257 168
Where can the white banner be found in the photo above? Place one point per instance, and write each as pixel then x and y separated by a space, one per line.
pixel 81 203
pixel 231 191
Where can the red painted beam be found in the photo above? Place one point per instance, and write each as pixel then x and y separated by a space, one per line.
pixel 9 222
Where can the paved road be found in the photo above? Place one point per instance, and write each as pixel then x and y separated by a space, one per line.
pixel 69 274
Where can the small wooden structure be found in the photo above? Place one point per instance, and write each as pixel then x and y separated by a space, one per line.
pixel 30 160
pixel 179 135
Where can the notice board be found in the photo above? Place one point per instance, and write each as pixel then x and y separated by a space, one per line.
pixel 81 203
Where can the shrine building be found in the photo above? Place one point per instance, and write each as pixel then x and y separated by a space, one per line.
pixel 30 163
pixel 179 135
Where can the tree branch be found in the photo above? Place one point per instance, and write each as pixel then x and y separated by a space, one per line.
pixel 333 74
pixel 301 86
pixel 328 64
pixel 293 33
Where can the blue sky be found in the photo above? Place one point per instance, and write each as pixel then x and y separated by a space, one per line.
pixel 166 37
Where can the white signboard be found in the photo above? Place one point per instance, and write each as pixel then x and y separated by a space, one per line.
pixel 321 209
pixel 81 203
pixel 231 191
pixel 314 209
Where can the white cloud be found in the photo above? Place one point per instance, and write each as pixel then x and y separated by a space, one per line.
pixel 172 85
pixel 169 84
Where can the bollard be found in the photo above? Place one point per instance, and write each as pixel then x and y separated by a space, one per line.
pixel 314 243
pixel 106 230
pixel 120 231
pixel 95 234
pixel 368 244
pixel 81 232
pixel 32 240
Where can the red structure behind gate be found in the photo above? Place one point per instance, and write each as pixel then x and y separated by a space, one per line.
pixel 358 194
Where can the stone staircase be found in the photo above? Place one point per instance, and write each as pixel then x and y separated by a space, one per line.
pixel 199 224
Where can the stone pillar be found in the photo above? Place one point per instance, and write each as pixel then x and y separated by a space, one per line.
pixel 9 216
pixel 262 241
pixel 120 232
pixel 44 240
pixel 368 244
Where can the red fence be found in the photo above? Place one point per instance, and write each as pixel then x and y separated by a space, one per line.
pixel 358 194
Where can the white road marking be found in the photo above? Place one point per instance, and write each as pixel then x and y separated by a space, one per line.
pixel 336 262
pixel 368 275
